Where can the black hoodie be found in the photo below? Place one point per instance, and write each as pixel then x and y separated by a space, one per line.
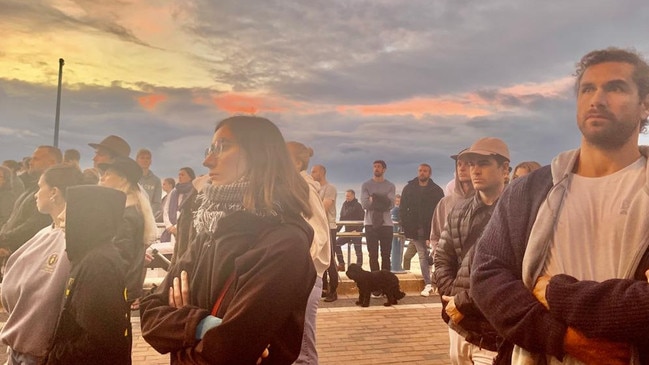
pixel 94 326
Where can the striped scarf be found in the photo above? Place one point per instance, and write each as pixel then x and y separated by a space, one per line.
pixel 217 201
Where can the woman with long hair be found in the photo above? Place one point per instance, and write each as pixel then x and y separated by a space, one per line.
pixel 36 273
pixel 138 230
pixel 241 288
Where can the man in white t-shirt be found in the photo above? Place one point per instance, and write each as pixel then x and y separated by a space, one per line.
pixel 560 268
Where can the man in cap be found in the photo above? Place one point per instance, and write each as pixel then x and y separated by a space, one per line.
pixel 109 148
pixel 561 268
pixel 471 337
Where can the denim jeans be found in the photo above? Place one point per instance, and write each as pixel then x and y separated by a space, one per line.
pixel 422 252
pixel 308 352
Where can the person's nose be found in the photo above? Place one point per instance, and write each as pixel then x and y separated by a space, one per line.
pixel 209 161
pixel 598 99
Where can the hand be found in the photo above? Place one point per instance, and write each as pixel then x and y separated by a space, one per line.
pixel 4 252
pixel 179 292
pixel 596 351
pixel 147 258
pixel 263 355
pixel 540 288
pixel 451 309
pixel 646 273
pixel 172 229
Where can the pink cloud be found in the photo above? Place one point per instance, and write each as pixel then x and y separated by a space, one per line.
pixel 420 107
pixel 149 102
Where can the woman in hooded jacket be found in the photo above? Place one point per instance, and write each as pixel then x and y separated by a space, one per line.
pixel 242 286
pixel 93 325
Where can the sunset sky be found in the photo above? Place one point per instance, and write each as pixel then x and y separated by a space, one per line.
pixel 406 81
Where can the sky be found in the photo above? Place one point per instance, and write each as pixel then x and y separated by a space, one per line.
pixel 405 81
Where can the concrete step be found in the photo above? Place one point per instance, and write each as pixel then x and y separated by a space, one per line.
pixel 409 283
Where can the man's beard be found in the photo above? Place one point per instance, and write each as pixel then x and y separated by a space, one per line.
pixel 613 136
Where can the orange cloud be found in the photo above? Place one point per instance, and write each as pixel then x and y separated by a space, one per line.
pixel 248 104
pixel 420 107
pixel 551 88
pixel 149 102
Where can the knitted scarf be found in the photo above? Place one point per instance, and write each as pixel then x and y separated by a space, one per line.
pixel 217 201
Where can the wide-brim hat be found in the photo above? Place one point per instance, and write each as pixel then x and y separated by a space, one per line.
pixel 115 144
pixel 126 167
pixel 488 146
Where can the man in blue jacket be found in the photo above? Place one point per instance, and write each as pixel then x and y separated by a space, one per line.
pixel 560 268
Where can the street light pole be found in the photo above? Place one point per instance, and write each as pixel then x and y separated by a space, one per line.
pixel 58 104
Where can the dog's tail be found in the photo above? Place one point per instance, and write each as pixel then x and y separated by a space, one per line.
pixel 400 295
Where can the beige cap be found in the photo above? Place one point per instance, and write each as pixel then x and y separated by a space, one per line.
pixel 488 146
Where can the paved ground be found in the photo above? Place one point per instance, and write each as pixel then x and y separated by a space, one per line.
pixel 409 333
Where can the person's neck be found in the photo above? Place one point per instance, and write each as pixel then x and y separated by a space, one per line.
pixel 378 178
pixel 323 182
pixel 466 186
pixel 489 196
pixel 594 161
pixel 55 213
pixel 145 172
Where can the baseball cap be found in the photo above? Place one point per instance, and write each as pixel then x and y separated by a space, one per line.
pixel 455 156
pixel 488 146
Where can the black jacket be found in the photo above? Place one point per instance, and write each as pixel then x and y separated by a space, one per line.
pixel 352 211
pixel 273 274
pixel 129 243
pixel 94 326
pixel 25 221
pixel 417 206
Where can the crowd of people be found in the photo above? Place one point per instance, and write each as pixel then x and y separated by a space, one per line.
pixel 533 265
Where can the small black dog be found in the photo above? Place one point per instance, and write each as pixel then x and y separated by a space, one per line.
pixel 369 281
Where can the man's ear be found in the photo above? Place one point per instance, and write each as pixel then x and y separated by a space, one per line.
pixel 645 108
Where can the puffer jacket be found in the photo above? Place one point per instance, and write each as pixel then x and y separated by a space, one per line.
pixel 453 259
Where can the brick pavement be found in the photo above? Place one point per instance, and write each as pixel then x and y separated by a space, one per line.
pixel 402 334
pixel 409 333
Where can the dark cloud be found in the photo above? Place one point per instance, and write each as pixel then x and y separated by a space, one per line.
pixel 41 17
pixel 332 53
pixel 376 52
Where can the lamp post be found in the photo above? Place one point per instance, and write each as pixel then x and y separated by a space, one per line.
pixel 58 104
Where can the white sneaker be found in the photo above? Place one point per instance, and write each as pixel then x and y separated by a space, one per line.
pixel 426 291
